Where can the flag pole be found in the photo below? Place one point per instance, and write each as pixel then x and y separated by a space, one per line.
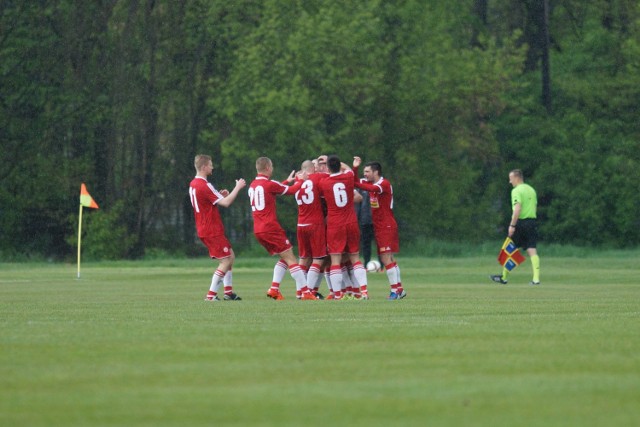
pixel 85 200
pixel 79 237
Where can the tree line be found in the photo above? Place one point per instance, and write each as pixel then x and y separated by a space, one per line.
pixel 448 96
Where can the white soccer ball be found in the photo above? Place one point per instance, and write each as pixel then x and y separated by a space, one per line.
pixel 373 266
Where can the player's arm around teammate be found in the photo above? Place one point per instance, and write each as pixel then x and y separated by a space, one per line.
pixel 384 224
pixel 267 229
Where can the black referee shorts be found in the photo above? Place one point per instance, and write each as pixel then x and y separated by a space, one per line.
pixel 526 234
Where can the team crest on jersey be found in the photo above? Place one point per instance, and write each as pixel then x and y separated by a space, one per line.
pixel 373 201
pixel 225 250
pixel 287 241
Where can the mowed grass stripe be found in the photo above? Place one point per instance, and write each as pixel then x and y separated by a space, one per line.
pixel 134 344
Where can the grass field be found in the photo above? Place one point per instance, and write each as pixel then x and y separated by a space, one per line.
pixel 133 344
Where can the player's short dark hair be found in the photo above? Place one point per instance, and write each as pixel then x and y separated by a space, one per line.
pixel 375 166
pixel 333 163
pixel 518 173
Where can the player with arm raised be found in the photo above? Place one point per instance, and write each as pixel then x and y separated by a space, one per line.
pixel 205 200
pixel 343 232
pixel 266 227
pixel 311 230
pixel 346 266
pixel 384 223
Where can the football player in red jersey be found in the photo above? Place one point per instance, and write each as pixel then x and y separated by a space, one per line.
pixel 205 200
pixel 343 231
pixel 267 229
pixel 384 223
pixel 311 230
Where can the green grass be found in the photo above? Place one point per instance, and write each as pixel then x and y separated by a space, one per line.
pixel 133 344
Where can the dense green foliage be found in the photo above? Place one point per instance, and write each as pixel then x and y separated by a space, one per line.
pixel 448 95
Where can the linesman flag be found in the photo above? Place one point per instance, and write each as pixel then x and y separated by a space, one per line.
pixel 85 201
pixel 510 256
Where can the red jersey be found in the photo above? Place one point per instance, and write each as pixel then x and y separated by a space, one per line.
pixel 381 200
pixel 309 201
pixel 262 195
pixel 337 190
pixel 204 198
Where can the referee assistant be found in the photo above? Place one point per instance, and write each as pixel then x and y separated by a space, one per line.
pixel 523 228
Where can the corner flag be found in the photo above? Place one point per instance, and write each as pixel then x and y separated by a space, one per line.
pixel 85 201
pixel 510 256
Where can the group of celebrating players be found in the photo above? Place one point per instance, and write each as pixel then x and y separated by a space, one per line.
pixel 328 232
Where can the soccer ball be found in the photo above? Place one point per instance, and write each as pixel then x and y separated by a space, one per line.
pixel 373 266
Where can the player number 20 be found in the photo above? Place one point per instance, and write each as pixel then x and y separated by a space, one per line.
pixel 256 196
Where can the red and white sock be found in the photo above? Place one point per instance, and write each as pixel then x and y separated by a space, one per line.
pixel 216 281
pixel 298 275
pixel 392 275
pixel 228 283
pixel 360 276
pixel 304 289
pixel 228 278
pixel 400 288
pixel 327 278
pixel 279 270
pixel 313 275
pixel 335 277
pixel 347 284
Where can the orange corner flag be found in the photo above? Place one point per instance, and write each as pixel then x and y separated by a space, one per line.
pixel 86 199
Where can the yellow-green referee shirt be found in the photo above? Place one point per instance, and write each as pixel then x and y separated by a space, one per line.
pixel 526 196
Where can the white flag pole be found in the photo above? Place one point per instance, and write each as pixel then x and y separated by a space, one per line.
pixel 79 238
